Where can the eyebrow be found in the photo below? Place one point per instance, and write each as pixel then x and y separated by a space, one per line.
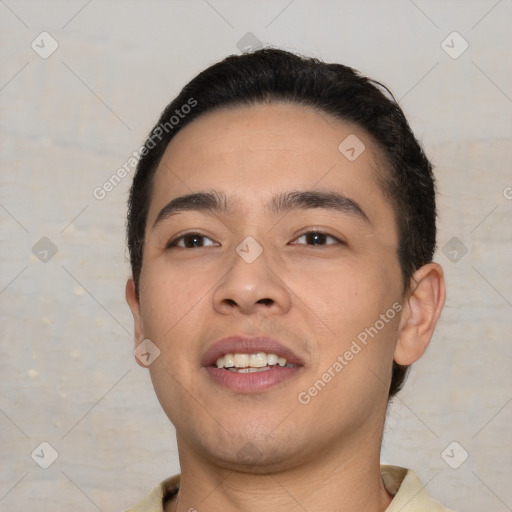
pixel 284 202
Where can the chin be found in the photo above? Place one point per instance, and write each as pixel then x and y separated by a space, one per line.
pixel 252 459
pixel 255 453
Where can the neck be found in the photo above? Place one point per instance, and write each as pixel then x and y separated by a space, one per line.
pixel 342 479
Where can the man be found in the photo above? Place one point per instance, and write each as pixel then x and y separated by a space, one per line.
pixel 281 230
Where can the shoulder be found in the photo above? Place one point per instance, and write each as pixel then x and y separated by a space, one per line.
pixel 409 493
pixel 153 501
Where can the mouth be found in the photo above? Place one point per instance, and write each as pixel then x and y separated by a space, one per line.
pixel 250 364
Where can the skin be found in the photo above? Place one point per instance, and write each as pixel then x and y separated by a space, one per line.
pixel 315 299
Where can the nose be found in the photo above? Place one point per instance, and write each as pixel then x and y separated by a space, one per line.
pixel 252 285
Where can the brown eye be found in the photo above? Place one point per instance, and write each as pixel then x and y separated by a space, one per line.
pixel 316 238
pixel 189 241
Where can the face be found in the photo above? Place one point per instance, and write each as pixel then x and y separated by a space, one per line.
pixel 322 279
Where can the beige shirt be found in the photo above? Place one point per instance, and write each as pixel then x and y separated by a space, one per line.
pixel 407 489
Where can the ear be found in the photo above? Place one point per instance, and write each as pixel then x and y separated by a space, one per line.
pixel 134 303
pixel 420 314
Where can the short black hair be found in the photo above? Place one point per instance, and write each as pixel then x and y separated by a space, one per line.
pixel 274 75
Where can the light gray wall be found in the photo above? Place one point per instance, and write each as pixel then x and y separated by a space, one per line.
pixel 70 120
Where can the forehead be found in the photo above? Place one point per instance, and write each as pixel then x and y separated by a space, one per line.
pixel 256 151
pixel 273 126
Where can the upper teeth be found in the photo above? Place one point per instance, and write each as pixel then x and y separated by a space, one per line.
pixel 258 360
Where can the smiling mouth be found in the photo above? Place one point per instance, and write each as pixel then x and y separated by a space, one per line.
pixel 251 363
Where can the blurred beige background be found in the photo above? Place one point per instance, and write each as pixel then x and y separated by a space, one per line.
pixel 76 101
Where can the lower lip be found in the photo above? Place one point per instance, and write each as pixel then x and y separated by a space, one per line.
pixel 252 382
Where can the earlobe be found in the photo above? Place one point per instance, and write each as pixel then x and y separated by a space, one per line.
pixel 421 312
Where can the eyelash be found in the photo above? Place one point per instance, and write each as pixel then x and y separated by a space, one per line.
pixel 172 243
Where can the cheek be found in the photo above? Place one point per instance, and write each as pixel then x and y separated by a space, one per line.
pixel 354 372
pixel 174 308
pixel 167 298
pixel 360 310
pixel 347 299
